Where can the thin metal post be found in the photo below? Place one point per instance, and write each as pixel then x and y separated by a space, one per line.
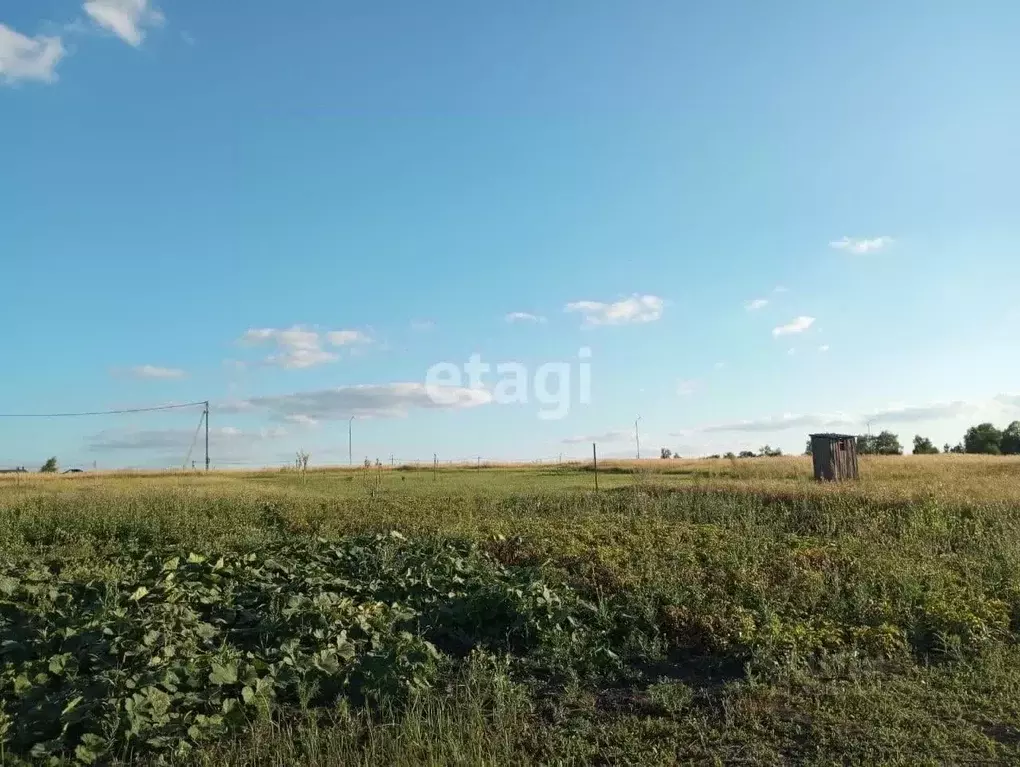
pixel 637 437
pixel 206 435
pixel 350 441
pixel 595 463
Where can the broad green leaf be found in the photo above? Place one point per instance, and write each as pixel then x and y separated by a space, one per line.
pixel 223 674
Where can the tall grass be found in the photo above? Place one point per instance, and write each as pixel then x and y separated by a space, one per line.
pixel 781 618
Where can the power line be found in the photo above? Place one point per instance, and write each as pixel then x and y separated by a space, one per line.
pixel 103 412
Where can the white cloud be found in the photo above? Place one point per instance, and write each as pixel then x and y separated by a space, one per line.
pixel 523 317
pixel 686 387
pixel 797 325
pixel 347 337
pixel 364 400
pixel 635 309
pixel 780 289
pixel 756 304
pixel 153 371
pixel 28 58
pixel 609 436
pixel 296 359
pixel 861 245
pixel 791 351
pixel 422 326
pixel 127 19
pixel 823 348
pixel 299 347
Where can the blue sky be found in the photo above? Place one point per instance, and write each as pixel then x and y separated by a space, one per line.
pixel 761 220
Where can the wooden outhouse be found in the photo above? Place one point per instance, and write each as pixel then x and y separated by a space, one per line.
pixel 834 456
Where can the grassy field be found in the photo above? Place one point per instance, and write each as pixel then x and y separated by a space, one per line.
pixel 705 611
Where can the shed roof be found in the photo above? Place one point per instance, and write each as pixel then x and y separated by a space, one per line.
pixel 833 436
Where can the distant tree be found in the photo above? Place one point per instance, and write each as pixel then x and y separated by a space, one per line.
pixel 867 444
pixel 746 454
pixel 769 452
pixel 984 439
pixel 50 467
pixel 958 448
pixel 924 446
pixel 665 453
pixel 807 448
pixel 301 460
pixel 946 448
pixel 730 456
pixel 1010 444
pixel 887 443
pixel 714 455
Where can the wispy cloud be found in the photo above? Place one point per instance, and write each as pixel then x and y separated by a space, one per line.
pixel 687 387
pixel 780 289
pixel 28 58
pixel 392 400
pixel 301 420
pixel 937 411
pixel 609 436
pixel 1008 400
pixel 347 337
pixel 861 245
pixel 523 317
pixel 823 348
pixel 932 412
pixel 154 371
pixel 128 19
pixel 756 304
pixel 422 326
pixel 774 423
pixel 797 325
pixel 222 439
pixel 636 309
pixel 299 347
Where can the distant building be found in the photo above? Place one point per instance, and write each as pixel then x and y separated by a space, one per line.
pixel 834 456
pixel 19 470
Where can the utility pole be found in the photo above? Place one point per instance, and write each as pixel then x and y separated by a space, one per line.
pixel 637 437
pixel 350 441
pixel 206 435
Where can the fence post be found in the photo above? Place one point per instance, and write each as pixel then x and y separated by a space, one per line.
pixel 595 463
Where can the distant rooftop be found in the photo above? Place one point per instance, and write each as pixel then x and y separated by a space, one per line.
pixel 834 436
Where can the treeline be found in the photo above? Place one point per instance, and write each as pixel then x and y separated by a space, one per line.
pixel 983 439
